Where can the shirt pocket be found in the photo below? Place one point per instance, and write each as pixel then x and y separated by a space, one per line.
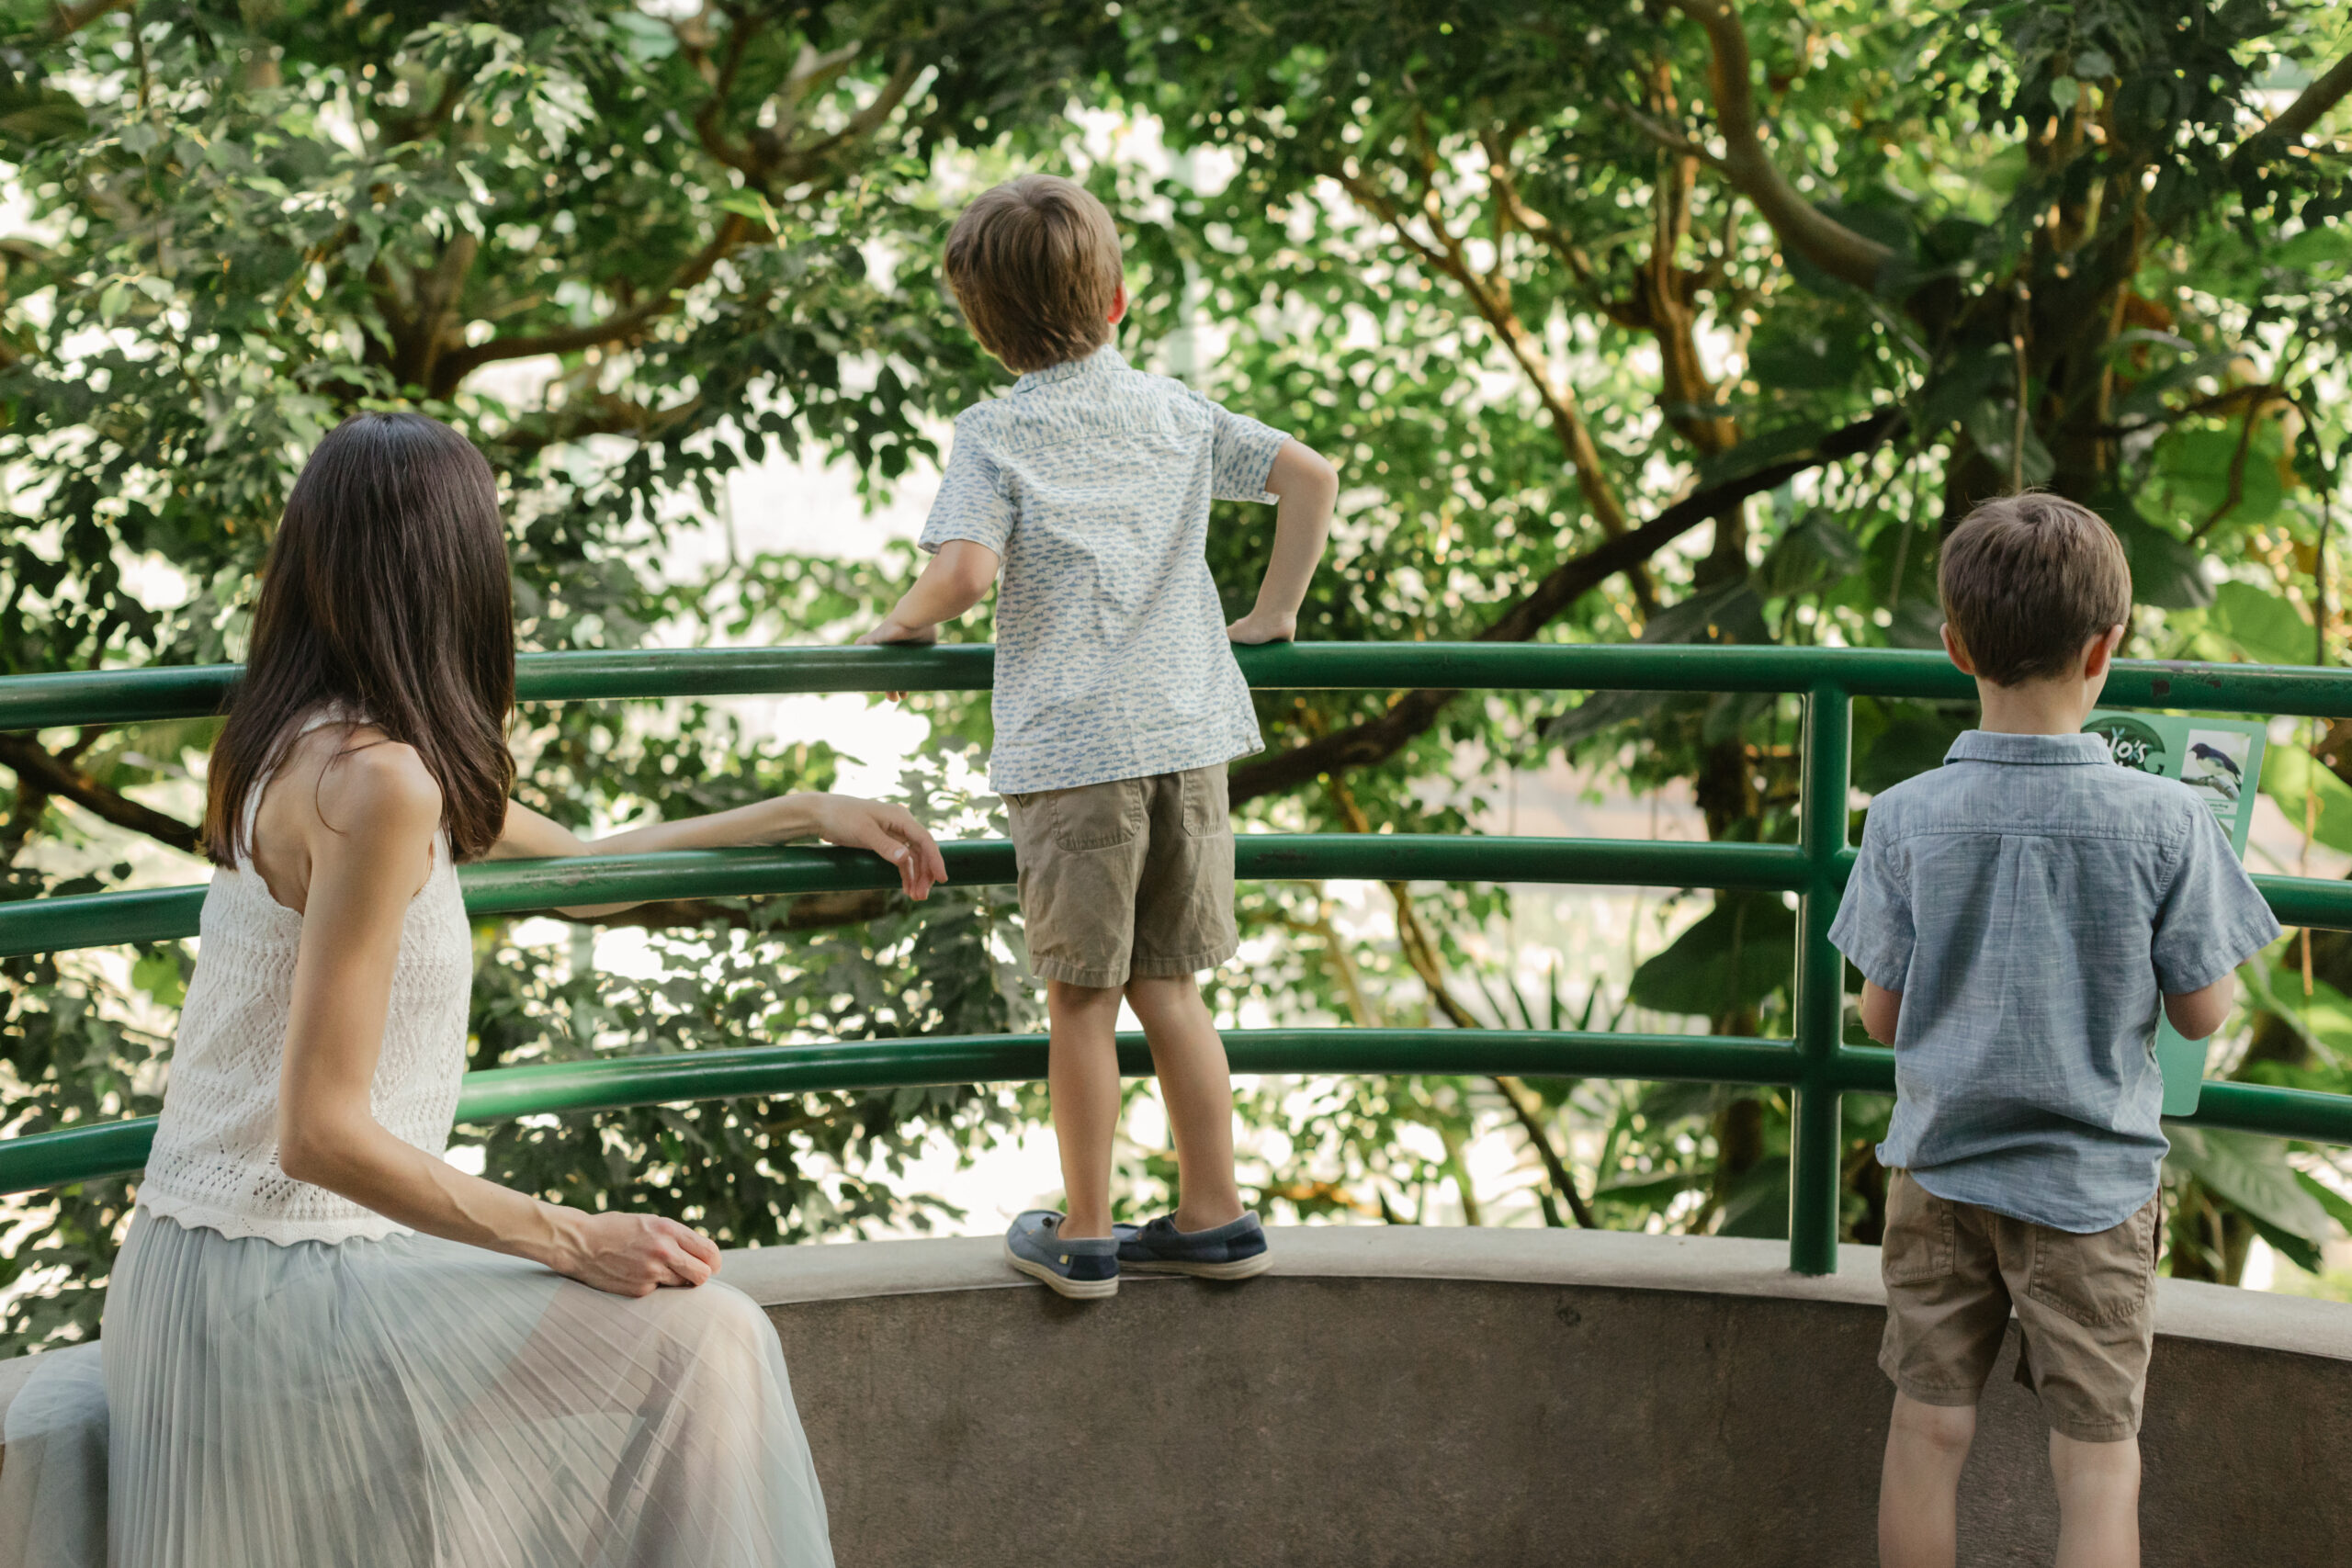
pixel 1094 816
pixel 1206 813
pixel 1918 1243
pixel 2099 1279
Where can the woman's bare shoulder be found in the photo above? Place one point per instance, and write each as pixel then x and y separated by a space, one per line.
pixel 355 779
pixel 378 779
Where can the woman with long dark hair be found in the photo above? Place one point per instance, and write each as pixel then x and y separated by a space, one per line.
pixel 323 1343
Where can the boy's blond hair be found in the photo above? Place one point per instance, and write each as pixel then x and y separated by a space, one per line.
pixel 1035 263
pixel 2027 580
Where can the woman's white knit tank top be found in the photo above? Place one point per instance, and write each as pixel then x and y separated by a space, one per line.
pixel 214 1163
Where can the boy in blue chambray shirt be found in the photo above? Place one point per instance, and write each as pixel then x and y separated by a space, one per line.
pixel 2018 916
pixel 1117 703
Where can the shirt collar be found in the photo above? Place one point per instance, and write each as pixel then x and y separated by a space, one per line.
pixel 1993 745
pixel 1103 358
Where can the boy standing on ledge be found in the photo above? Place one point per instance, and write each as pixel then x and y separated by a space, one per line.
pixel 2018 916
pixel 1117 703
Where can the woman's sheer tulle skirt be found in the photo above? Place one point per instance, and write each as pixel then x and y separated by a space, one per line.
pixel 404 1401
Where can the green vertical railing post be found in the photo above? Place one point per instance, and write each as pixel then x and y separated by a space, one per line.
pixel 1814 1132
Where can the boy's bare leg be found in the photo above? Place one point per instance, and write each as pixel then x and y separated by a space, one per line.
pixel 2099 1502
pixel 1083 1080
pixel 1918 1488
pixel 1188 1055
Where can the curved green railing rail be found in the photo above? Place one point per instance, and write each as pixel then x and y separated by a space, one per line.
pixel 1816 1065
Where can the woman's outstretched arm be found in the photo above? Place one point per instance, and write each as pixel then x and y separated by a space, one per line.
pixel 369 842
pixel 888 831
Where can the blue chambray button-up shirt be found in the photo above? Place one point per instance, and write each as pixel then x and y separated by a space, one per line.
pixel 2034 903
pixel 1092 482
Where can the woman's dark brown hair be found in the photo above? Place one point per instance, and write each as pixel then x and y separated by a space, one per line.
pixel 387 593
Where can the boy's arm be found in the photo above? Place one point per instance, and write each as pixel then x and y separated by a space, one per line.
pixel 1306 486
pixel 2197 1013
pixel 954 581
pixel 1881 1009
pixel 2211 920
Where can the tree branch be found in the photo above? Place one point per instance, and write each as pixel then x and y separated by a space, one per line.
pixel 2287 130
pixel 1489 297
pixel 1672 140
pixel 2220 404
pixel 722 84
pixel 1516 1095
pixel 454 366
pixel 1626 313
pixel 31 763
pixel 804 162
pixel 1421 953
pixel 65 20
pixel 1802 226
pixel 767 157
pixel 603 415
pixel 1377 739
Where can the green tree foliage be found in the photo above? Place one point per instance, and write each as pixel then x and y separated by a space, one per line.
pixel 1754 303
pixel 626 256
pixel 1676 322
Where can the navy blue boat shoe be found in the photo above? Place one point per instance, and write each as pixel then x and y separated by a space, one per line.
pixel 1233 1250
pixel 1084 1268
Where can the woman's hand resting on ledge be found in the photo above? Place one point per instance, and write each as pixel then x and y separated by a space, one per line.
pixel 630 1254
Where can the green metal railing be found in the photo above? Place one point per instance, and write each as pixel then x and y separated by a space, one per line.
pixel 1816 1065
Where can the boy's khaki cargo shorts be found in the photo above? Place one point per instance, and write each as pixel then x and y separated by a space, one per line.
pixel 2086 1304
pixel 1131 879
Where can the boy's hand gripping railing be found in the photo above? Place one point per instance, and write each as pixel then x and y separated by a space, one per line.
pixel 1816 1065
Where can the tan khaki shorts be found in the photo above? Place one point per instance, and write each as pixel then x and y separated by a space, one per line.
pixel 2086 1304
pixel 1132 879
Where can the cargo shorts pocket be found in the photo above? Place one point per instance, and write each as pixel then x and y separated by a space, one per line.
pixel 2100 1278
pixel 1918 1243
pixel 1206 813
pixel 1092 816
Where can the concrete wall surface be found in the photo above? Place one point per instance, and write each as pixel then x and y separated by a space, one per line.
pixel 1419 1398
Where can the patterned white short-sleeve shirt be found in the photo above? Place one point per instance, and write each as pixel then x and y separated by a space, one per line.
pixel 1092 481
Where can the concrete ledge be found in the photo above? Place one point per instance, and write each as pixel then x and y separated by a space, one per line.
pixel 2186 1309
pixel 1401 1398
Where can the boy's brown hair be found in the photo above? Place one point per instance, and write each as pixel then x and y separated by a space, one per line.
pixel 1035 263
pixel 2027 580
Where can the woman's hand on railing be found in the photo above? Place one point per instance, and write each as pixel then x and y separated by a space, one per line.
pixel 1263 627
pixel 889 831
pixel 630 1254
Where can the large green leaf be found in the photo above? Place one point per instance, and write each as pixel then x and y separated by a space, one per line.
pixel 1809 353
pixel 1758 451
pixel 1914 741
pixel 1670 1101
pixel 1757 1204
pixel 2322 244
pixel 2338 1206
pixel 2253 1175
pixel 2165 572
pixel 2323 1018
pixel 1812 554
pixel 2202 467
pixel 1598 711
pixel 1963 383
pixel 2295 780
pixel 2266 628
pixel 1732 957
pixel 1991 424
pixel 1657 1189
pixel 1731 614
